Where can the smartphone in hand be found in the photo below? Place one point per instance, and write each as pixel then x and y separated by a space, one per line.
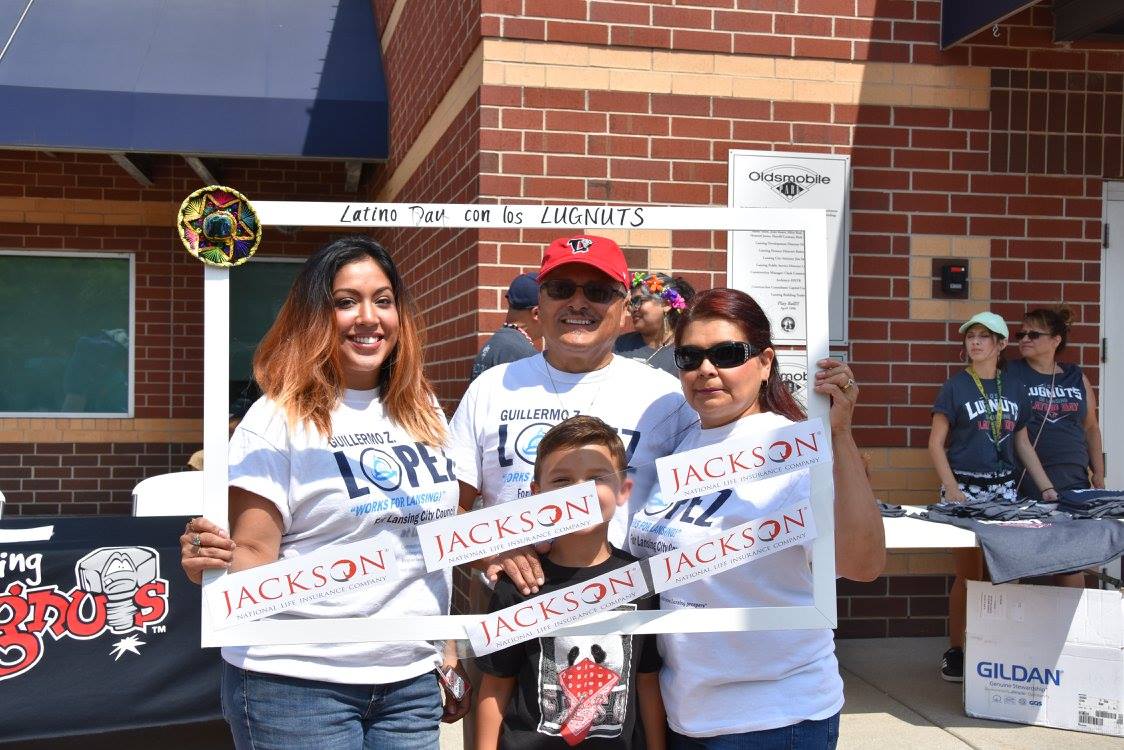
pixel 453 681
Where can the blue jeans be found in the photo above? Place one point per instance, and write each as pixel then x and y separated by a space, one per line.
pixel 271 712
pixel 807 735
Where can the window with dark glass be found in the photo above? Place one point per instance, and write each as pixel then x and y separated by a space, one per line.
pixel 257 291
pixel 65 328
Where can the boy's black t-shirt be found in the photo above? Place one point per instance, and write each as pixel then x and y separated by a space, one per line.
pixel 572 690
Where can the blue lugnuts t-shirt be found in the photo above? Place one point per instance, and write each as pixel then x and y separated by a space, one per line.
pixel 971 446
pixel 1056 418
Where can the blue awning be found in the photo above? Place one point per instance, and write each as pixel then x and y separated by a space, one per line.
pixel 269 78
pixel 961 19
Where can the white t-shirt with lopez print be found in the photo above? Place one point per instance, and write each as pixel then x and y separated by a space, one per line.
pixel 729 683
pixel 508 409
pixel 366 477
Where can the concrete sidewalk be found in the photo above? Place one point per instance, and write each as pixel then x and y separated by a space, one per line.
pixel 895 699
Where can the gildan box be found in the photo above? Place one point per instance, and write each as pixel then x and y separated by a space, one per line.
pixel 1047 656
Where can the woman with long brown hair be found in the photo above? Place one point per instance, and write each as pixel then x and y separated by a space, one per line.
pixel 347 442
pixel 769 689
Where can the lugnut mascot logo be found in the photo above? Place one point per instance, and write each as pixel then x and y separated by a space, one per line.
pixel 118 590
pixel 579 245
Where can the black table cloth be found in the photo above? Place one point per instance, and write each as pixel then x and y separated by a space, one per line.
pixel 99 630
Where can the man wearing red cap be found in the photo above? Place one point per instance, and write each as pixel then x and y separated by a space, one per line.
pixel 583 283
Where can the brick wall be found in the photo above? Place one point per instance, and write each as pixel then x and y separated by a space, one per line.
pixel 426 51
pixel 441 265
pixel 47 479
pixel 901 31
pixel 894 606
pixel 963 153
pixel 949 155
pixel 80 176
pixel 64 201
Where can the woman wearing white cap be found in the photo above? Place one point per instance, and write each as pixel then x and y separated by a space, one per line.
pixel 979 422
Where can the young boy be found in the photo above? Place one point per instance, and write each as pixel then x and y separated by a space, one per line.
pixel 561 691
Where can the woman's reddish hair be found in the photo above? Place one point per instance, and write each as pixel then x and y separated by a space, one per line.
pixel 739 308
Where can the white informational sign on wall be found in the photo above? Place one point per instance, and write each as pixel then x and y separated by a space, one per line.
pixel 770 265
pixel 804 230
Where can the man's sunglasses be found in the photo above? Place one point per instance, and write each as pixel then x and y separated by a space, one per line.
pixel 1032 335
pixel 596 292
pixel 724 355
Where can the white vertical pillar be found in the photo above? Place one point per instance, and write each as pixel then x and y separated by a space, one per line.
pixel 216 405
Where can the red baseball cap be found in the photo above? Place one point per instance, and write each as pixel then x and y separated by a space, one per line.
pixel 600 252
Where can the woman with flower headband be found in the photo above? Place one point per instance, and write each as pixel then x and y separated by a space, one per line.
pixel 655 301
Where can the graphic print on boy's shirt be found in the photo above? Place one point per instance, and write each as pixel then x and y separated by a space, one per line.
pixel 583 684
pixel 573 689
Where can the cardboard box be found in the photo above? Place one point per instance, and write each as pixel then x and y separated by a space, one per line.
pixel 1047 656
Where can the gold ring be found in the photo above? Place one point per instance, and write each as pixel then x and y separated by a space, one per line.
pixel 847 386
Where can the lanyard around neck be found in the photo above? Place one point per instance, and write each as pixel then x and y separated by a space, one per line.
pixel 996 417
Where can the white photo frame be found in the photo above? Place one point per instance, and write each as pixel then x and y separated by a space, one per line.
pixel 812 223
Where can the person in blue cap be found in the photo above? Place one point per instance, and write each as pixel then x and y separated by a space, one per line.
pixel 979 423
pixel 517 336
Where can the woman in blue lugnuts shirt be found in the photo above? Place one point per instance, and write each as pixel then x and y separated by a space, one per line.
pixel 1062 422
pixel 979 422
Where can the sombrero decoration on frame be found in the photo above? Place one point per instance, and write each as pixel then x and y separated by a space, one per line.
pixel 218 226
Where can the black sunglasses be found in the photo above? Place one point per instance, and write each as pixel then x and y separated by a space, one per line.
pixel 596 292
pixel 724 355
pixel 1032 335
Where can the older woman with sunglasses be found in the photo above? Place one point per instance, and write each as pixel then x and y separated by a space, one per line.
pixel 655 302
pixel 1063 424
pixel 782 688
